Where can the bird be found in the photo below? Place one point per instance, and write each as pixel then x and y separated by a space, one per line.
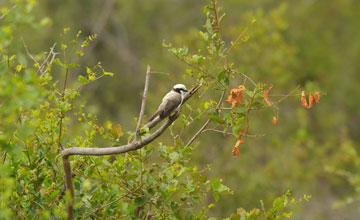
pixel 171 101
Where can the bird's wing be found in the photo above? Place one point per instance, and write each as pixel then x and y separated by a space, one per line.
pixel 160 109
pixel 170 102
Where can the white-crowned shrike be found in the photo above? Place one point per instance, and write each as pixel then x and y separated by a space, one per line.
pixel 171 101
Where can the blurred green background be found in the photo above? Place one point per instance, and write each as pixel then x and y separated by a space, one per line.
pixel 311 43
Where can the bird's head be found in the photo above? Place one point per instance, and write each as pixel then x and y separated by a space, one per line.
pixel 180 88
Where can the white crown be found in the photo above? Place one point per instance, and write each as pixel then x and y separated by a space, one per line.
pixel 180 86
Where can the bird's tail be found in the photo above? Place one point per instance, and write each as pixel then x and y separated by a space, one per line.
pixel 153 116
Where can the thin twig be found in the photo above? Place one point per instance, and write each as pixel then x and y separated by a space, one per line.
pixel 27 51
pixel 288 94
pixel 230 133
pixel 42 67
pixel 245 77
pixel 149 214
pixel 62 116
pixel 248 111
pixel 2 16
pixel 207 122
pixel 226 51
pixel 237 39
pixel 4 156
pixel 143 104
pixel 52 54
pixel 198 133
pixel 165 73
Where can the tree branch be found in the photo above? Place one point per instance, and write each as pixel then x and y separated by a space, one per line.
pixel 48 60
pixel 149 214
pixel 69 186
pixel 120 149
pixel 230 133
pixel 134 145
pixel 143 104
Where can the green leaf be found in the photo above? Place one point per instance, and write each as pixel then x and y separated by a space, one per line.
pixel 189 216
pixel 108 74
pixel 190 72
pixel 19 67
pixel 216 196
pixel 181 52
pixel 236 130
pixel 174 156
pixel 216 119
pixel 63 46
pixel 215 184
pixel 223 78
pixel 88 70
pixel 116 131
pixel 80 53
pixel 83 79
pixel 141 201
pixel 197 59
pixel 73 65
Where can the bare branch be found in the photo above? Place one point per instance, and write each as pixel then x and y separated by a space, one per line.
pixel 207 122
pixel 46 62
pixel 120 149
pixel 42 67
pixel 149 214
pixel 198 133
pixel 230 133
pixel 143 104
pixel 69 186
pixel 244 75
pixel 236 40
pixel 132 146
pixel 288 94
pixel 159 72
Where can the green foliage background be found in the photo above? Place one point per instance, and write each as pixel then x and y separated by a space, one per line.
pixel 311 43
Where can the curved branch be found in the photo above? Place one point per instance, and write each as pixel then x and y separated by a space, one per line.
pixel 132 146
pixel 119 149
